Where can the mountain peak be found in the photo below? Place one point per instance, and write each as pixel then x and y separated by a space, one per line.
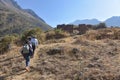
pixel 14 19
pixel 113 21
pixel 10 3
pixel 86 21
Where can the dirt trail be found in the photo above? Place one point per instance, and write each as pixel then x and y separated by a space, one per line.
pixel 14 63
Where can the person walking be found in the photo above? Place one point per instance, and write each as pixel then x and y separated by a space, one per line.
pixel 26 52
pixel 34 42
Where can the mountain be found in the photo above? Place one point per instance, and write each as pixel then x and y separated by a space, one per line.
pixel 14 19
pixel 113 21
pixel 86 21
pixel 33 14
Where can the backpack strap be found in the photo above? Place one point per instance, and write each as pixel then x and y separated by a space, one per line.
pixel 30 47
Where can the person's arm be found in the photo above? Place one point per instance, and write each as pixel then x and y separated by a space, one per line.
pixel 36 42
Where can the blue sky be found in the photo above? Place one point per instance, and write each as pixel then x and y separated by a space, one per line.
pixel 66 11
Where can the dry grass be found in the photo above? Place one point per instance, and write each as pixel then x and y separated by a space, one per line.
pixel 56 34
pixel 110 33
pixel 78 58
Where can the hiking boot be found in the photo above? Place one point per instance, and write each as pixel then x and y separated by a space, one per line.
pixel 27 69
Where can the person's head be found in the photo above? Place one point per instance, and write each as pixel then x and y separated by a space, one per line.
pixel 27 42
pixel 29 38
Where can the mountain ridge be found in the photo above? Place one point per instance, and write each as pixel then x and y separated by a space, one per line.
pixel 14 19
pixel 86 21
pixel 112 21
pixel 34 14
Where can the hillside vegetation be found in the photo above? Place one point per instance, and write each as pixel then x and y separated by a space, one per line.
pixel 94 55
pixel 14 19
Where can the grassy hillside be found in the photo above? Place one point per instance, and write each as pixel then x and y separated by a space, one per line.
pixel 80 57
pixel 14 19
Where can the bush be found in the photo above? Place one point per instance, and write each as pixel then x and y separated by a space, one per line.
pixel 5 43
pixel 100 26
pixel 116 34
pixel 54 51
pixel 107 33
pixel 91 34
pixel 56 34
pixel 33 32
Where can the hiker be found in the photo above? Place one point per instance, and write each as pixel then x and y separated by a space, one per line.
pixel 26 52
pixel 34 42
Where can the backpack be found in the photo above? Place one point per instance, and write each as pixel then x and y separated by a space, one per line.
pixel 26 49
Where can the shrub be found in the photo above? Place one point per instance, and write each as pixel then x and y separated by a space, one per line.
pixel 107 33
pixel 33 32
pixel 100 26
pixel 54 51
pixel 91 34
pixel 116 34
pixel 56 34
pixel 5 43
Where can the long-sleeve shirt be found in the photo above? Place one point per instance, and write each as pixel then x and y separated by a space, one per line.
pixel 34 41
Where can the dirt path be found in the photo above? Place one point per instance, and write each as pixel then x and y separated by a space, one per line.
pixel 14 63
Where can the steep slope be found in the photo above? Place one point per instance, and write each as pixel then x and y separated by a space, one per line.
pixel 14 19
pixel 33 14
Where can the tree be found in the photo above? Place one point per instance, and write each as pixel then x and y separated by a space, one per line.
pixel 101 25
pixel 33 32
